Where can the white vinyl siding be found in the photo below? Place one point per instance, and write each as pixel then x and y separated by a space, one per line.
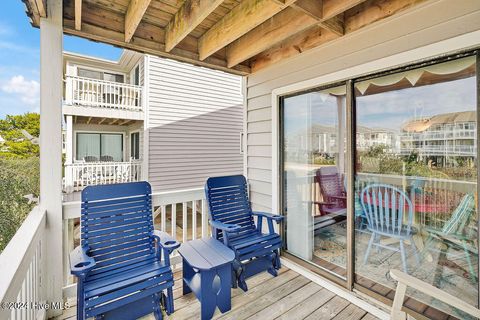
pixel 426 24
pixel 195 117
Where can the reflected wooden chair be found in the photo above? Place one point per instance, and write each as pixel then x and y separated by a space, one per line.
pixel 334 199
pixel 454 235
pixel 389 213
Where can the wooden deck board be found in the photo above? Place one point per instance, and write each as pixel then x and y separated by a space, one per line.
pixel 329 310
pixel 288 296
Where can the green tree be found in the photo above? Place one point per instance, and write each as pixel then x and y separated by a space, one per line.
pixel 19 171
pixel 16 145
pixel 18 177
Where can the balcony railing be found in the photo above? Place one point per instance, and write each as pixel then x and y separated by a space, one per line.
pixel 103 94
pixel 458 150
pixel 80 175
pixel 23 270
pixel 183 214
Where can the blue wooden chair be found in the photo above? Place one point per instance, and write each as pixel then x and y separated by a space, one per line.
pixel 231 219
pixel 122 264
pixel 389 213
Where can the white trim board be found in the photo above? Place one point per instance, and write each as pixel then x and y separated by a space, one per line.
pixel 463 42
pixel 351 296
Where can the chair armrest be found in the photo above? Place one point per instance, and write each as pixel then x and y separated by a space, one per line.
pixel 339 197
pixel 274 217
pixel 166 241
pixel 80 262
pixel 230 228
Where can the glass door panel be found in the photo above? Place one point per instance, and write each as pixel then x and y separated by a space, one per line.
pixel 314 195
pixel 112 146
pixel 415 182
pixel 88 146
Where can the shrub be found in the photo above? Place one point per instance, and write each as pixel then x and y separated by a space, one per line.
pixel 18 177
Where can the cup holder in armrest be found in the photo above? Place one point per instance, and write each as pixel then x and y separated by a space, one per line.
pixel 83 264
pixel 170 242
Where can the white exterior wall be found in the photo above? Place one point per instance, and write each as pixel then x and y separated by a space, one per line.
pixel 431 29
pixel 194 121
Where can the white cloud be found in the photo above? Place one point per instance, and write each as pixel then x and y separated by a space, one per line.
pixel 28 91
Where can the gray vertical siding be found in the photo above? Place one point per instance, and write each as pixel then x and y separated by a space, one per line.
pixel 432 22
pixel 195 116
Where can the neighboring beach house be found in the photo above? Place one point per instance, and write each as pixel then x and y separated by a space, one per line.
pixel 149 118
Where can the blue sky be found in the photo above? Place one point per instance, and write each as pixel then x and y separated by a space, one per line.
pixel 20 59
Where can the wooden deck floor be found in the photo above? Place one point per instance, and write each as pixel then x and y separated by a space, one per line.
pixel 288 296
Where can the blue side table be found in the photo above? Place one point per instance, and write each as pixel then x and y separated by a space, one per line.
pixel 207 271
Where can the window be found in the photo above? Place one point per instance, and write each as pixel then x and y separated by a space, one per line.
pixel 431 233
pixel 135 145
pixel 99 75
pixel 136 75
pixel 314 192
pixel 99 146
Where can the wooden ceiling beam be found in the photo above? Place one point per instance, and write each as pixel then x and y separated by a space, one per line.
pixel 240 20
pixel 332 8
pixel 355 18
pixel 376 10
pixel 293 46
pixel 144 45
pixel 136 10
pixel 78 14
pixel 188 17
pixel 41 8
pixel 282 26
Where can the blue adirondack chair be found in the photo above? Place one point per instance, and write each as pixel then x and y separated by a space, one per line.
pixel 122 264
pixel 231 219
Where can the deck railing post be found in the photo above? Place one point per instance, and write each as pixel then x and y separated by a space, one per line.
pixel 51 46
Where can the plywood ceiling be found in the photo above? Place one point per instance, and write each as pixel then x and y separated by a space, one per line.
pixel 239 36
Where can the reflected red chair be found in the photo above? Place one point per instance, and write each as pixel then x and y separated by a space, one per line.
pixel 334 198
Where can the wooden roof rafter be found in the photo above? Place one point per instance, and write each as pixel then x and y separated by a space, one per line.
pixel 237 36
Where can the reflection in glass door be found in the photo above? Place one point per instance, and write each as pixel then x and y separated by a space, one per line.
pixel 416 174
pixel 314 193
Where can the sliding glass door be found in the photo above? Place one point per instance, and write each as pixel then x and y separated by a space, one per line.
pixel 414 199
pixel 314 178
pixel 99 146
pixel 416 181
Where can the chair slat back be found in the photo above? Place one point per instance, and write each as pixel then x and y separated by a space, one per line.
pixel 461 216
pixel 117 224
pixel 388 209
pixel 228 202
pixel 330 182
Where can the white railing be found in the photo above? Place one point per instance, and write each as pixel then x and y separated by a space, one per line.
pixel 442 150
pixel 22 270
pixel 82 174
pixel 404 280
pixel 104 94
pixel 183 214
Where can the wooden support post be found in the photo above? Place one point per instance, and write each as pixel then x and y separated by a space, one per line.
pixel 69 140
pixel 51 47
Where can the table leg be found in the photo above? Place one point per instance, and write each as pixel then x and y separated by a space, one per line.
pixel 224 300
pixel 187 273
pixel 208 296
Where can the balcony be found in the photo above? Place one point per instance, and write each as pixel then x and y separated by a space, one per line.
pixel 442 150
pixel 102 94
pixel 82 174
pixel 293 294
